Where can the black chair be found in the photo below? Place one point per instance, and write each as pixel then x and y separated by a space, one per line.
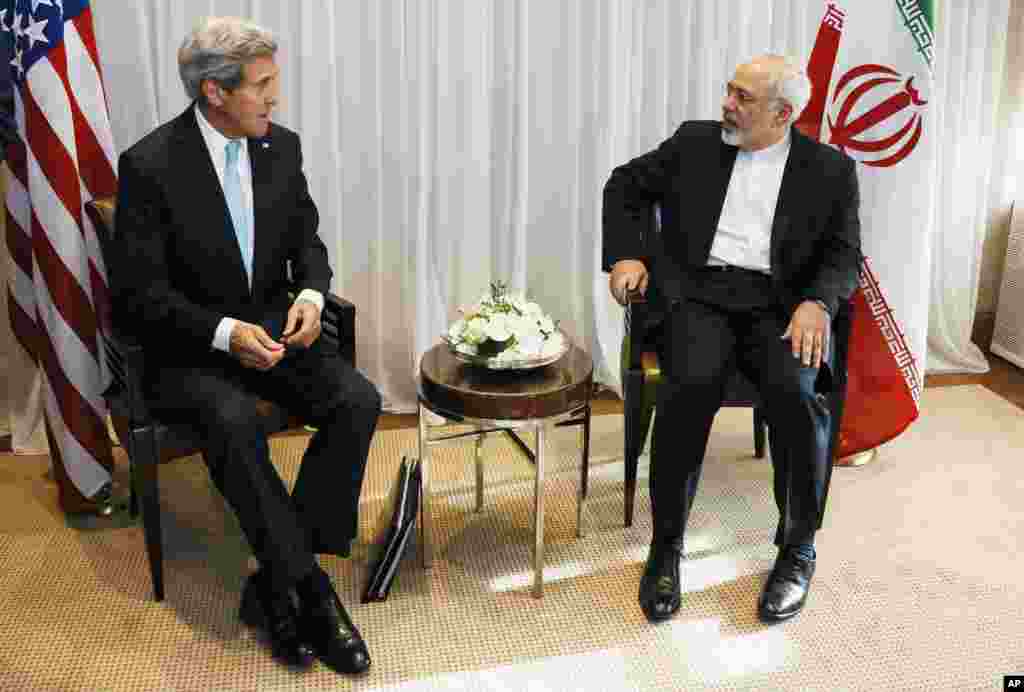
pixel 150 441
pixel 641 372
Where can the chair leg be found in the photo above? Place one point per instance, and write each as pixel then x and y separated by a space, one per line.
pixel 637 420
pixel 124 434
pixel 759 432
pixel 584 472
pixel 145 467
pixel 133 480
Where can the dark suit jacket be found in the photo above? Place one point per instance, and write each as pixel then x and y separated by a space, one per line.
pixel 815 242
pixel 178 269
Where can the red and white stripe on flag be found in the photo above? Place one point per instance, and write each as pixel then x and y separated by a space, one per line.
pixel 883 385
pixel 58 297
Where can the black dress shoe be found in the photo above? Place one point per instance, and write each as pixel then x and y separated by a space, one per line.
pixel 276 615
pixel 785 592
pixel 660 595
pixel 327 626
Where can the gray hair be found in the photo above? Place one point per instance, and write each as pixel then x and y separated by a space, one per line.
pixel 790 84
pixel 217 49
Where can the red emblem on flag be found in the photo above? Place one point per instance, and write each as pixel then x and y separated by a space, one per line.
pixel 869 83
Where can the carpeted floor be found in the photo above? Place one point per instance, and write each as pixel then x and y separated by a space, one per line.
pixel 918 587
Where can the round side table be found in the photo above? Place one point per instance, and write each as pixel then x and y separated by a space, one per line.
pixel 504 401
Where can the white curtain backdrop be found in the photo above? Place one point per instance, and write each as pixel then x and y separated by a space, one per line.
pixel 969 77
pixel 449 143
pixel 1007 181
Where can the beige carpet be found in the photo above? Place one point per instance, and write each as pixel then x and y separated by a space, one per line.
pixel 919 583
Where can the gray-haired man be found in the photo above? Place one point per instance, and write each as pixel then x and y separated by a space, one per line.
pixel 213 215
pixel 761 240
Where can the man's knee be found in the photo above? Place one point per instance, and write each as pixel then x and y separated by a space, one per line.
pixel 232 435
pixel 692 389
pixel 234 413
pixel 367 397
pixel 789 390
pixel 357 395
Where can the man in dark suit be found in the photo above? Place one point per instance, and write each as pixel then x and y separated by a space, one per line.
pixel 213 215
pixel 761 239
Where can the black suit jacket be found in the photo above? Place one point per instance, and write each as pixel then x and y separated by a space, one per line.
pixel 178 269
pixel 815 241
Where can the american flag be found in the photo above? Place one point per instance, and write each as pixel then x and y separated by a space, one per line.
pixel 58 294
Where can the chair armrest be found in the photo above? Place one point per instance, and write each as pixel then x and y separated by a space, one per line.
pixel 339 326
pixel 127 362
pixel 841 324
pixel 635 318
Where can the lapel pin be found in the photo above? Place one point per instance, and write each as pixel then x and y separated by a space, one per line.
pixel 266 145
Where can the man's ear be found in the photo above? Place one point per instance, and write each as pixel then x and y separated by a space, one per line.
pixel 213 92
pixel 785 112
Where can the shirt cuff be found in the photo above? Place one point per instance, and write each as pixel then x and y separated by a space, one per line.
pixel 314 297
pixel 222 337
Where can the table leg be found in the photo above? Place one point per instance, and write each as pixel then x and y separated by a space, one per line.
pixel 479 454
pixel 581 497
pixel 424 449
pixel 538 517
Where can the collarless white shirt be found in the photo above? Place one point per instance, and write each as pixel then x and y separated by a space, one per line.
pixel 216 146
pixel 744 234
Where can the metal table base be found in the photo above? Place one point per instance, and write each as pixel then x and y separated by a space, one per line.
pixel 483 427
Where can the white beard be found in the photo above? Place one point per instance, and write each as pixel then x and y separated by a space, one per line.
pixel 732 137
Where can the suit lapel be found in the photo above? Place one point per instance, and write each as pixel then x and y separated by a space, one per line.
pixel 201 200
pixel 260 159
pixel 793 181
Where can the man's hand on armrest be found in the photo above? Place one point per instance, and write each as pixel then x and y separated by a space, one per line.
pixel 627 276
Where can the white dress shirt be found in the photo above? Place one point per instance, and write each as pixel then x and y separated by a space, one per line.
pixel 216 144
pixel 744 234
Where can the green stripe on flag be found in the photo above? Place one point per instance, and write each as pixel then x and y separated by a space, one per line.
pixel 928 7
pixel 919 18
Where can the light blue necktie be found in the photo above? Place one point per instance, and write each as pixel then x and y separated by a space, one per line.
pixel 236 204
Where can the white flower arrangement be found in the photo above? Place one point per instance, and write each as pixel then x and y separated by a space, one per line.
pixel 505 328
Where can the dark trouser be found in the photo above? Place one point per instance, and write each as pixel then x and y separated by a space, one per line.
pixel 321 515
pixel 735 320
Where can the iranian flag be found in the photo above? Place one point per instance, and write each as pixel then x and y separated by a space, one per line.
pixel 871 67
